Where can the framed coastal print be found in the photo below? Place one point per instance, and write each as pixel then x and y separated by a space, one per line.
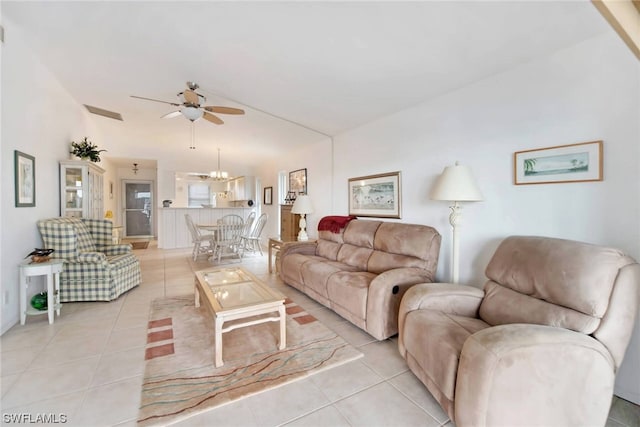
pixel 298 181
pixel 25 179
pixel 375 195
pixel 563 163
pixel 268 195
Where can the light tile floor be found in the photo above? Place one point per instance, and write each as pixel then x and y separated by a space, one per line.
pixel 89 364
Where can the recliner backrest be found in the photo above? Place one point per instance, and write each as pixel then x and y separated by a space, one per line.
pixel 559 283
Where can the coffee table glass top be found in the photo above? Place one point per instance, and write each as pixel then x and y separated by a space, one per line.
pixel 226 276
pixel 234 288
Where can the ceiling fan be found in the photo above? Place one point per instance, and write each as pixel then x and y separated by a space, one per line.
pixel 191 106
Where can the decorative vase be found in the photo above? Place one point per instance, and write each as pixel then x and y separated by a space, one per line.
pixel 39 301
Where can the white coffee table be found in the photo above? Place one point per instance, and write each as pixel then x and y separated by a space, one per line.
pixel 234 293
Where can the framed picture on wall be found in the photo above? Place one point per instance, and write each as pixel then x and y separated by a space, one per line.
pixel 268 195
pixel 25 179
pixel 298 181
pixel 563 163
pixel 375 195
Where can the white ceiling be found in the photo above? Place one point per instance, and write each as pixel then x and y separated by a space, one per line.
pixel 329 66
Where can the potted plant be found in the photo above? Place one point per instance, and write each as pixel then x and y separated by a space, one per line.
pixel 86 149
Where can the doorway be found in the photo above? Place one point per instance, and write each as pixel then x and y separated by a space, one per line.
pixel 138 208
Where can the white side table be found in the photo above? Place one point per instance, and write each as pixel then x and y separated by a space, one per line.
pixel 52 270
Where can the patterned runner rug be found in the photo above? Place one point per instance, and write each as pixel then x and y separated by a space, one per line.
pixel 181 381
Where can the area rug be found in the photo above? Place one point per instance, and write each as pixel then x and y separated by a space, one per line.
pixel 180 380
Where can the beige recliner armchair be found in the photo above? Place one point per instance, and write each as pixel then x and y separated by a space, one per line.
pixel 539 346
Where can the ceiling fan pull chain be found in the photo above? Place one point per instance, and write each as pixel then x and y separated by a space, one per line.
pixel 193 136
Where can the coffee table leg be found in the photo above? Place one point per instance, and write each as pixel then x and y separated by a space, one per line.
pixel 283 329
pixel 218 344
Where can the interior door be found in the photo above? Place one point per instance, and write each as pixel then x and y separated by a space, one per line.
pixel 138 208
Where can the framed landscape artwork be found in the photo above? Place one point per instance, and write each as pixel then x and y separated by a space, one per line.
pixel 375 195
pixel 25 179
pixel 298 181
pixel 563 163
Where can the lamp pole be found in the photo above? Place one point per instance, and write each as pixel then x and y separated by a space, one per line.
pixel 454 220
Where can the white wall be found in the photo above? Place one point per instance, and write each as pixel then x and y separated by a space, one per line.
pixel 38 118
pixel 585 93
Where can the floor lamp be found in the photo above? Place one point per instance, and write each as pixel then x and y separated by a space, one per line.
pixel 302 206
pixel 456 184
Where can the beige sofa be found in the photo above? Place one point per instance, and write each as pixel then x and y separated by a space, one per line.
pixel 541 344
pixel 362 271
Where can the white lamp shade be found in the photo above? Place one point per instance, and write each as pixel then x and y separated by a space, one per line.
pixel 191 113
pixel 302 205
pixel 456 183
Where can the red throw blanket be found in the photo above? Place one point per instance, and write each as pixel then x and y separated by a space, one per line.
pixel 334 223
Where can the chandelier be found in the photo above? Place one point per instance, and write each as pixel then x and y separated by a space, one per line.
pixel 219 174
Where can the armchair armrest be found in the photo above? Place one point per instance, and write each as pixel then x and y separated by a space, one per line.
pixel 450 298
pixel 507 373
pixel 383 300
pixel 120 249
pixel 90 257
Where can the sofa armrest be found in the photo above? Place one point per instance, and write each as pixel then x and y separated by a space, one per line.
pixel 305 248
pixel 507 373
pixel 383 300
pixel 90 257
pixel 450 298
pixel 120 249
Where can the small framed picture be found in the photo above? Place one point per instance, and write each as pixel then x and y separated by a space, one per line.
pixel 298 181
pixel 25 179
pixel 375 195
pixel 562 163
pixel 268 195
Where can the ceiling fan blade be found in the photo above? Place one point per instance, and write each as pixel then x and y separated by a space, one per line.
pixel 212 118
pixel 171 115
pixel 155 100
pixel 224 110
pixel 191 97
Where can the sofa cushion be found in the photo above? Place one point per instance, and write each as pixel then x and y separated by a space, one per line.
pixel 355 256
pixel 291 268
pixel 450 332
pixel 315 274
pixel 328 249
pixel 361 233
pixel 349 290
pixel 413 240
pixel 85 241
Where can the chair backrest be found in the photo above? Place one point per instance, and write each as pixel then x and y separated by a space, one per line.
pixel 260 223
pixel 578 286
pixel 195 233
pixel 228 234
pixel 231 219
pixel 68 236
pixel 249 223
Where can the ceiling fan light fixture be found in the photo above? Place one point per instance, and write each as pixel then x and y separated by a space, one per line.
pixel 192 113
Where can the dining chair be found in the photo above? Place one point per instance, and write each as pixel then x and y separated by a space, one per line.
pixel 198 238
pixel 249 223
pixel 227 239
pixel 251 241
pixel 231 219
